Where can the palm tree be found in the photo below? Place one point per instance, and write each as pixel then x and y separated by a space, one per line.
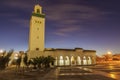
pixel 34 62
pixel 52 60
pixel 18 62
pixel 40 61
pixel 25 60
pixel 48 60
pixel 5 58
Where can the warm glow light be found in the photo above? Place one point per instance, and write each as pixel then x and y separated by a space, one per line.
pixel 1 51
pixel 111 67
pixel 16 56
pixel 109 52
pixel 112 75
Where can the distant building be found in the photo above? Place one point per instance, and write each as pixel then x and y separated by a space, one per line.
pixel 77 56
pixel 116 57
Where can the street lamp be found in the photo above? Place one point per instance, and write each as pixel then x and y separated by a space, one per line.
pixel 109 55
pixel 1 51
pixel 109 52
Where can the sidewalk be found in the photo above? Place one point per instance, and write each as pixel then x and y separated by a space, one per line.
pixel 53 74
pixel 105 74
pixel 62 73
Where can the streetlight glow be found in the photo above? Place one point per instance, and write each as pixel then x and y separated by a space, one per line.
pixel 109 52
pixel 1 51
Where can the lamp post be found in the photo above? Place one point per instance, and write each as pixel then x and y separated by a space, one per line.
pixel 109 55
pixel 1 52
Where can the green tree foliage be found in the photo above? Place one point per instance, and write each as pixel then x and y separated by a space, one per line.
pixel 34 62
pixel 18 61
pixel 41 61
pixel 5 58
pixel 25 60
pixel 48 60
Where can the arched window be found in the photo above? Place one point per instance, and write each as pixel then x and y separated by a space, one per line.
pixel 89 60
pixel 73 61
pixel 67 61
pixel 84 61
pixel 61 61
pixel 56 61
pixel 78 60
pixel 38 10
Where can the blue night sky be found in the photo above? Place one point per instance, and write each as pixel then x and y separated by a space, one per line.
pixel 88 24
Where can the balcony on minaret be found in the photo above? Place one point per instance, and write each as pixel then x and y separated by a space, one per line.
pixel 38 11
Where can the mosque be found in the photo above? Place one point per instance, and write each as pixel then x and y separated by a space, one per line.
pixel 63 57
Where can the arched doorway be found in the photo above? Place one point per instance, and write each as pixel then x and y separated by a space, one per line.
pixel 61 61
pixel 67 61
pixel 56 61
pixel 84 60
pixel 73 62
pixel 89 60
pixel 78 60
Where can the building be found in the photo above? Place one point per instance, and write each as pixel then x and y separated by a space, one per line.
pixel 77 56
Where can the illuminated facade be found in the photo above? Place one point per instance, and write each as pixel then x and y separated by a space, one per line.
pixel 37 30
pixel 64 57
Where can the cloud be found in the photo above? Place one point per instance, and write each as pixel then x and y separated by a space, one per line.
pixel 15 18
pixel 60 34
pixel 23 22
pixel 72 11
pixel 69 17
pixel 17 4
pixel 70 29
pixel 7 15
pixel 65 31
pixel 15 12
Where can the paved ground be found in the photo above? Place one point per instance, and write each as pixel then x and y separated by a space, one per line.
pixel 15 74
pixel 98 72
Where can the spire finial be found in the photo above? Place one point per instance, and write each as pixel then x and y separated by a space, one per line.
pixel 36 1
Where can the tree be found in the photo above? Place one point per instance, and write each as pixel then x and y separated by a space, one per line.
pixel 18 61
pixel 48 60
pixel 5 58
pixel 38 62
pixel 34 62
pixel 25 60
pixel 52 60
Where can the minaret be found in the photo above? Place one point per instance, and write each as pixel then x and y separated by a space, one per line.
pixel 37 30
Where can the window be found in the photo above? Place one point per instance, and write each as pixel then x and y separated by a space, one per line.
pixel 38 10
pixel 37 37
pixel 37 28
pixel 37 49
pixel 35 21
pixel 38 22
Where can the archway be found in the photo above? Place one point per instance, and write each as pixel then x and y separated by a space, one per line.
pixel 56 61
pixel 89 60
pixel 73 62
pixel 84 61
pixel 61 61
pixel 67 61
pixel 78 60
